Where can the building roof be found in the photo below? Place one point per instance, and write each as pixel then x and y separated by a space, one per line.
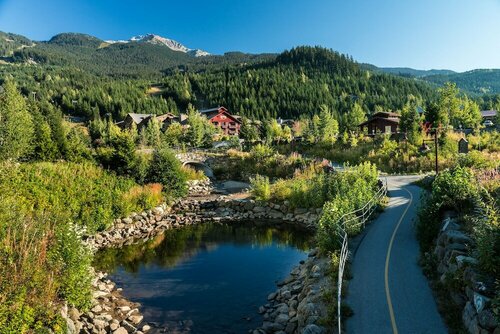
pixel 385 114
pixel 392 120
pixel 211 113
pixel 138 118
pixel 218 109
pixel 488 113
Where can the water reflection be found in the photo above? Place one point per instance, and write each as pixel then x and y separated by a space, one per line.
pixel 205 279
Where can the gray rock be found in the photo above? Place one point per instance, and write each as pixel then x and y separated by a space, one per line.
pixel 136 319
pixel 282 319
pixel 272 327
pixel 99 324
pixel 271 296
pixel 125 324
pixel 114 324
pixel 259 209
pixel 480 302
pixel 127 220
pixel 312 329
pixel 290 328
pixel 463 260
pixel 487 319
pixel 121 330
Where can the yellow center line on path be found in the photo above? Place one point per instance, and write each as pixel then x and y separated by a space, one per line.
pixel 387 259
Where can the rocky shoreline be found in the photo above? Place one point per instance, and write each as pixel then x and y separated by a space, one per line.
pixel 297 305
pixel 193 211
pixel 110 312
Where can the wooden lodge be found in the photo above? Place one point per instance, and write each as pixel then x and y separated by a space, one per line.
pixel 221 118
pixel 381 122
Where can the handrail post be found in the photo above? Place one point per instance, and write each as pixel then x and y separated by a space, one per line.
pixel 364 213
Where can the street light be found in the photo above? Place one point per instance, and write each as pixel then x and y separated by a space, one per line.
pixel 425 148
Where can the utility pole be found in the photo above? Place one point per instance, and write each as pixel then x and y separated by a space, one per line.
pixel 436 149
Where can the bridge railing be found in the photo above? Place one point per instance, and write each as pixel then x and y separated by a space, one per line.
pixel 353 219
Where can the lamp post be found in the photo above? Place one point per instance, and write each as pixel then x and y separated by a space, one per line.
pixel 435 140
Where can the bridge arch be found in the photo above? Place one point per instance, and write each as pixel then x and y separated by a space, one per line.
pixel 200 166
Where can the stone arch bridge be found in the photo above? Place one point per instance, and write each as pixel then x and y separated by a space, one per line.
pixel 198 161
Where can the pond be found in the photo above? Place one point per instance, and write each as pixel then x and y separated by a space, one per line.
pixel 205 279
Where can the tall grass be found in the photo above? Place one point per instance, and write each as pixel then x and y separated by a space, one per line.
pixel 45 209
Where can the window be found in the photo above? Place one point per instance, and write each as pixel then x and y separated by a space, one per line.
pixel 388 129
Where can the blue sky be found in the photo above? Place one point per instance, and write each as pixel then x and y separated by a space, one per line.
pixel 424 34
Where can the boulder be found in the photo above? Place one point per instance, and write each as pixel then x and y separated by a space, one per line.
pixel 312 329
pixel 480 302
pixel 120 330
pixel 487 319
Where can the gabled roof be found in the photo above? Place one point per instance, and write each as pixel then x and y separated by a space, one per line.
pixel 211 113
pixel 138 118
pixel 218 109
pixel 385 114
pixel 488 113
pixel 392 120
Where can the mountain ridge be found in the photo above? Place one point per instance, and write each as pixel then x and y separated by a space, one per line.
pixel 154 53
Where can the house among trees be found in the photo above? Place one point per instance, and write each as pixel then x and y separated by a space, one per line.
pixel 381 122
pixel 488 115
pixel 141 120
pixel 221 118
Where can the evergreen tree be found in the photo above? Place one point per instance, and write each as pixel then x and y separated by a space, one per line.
pixel 248 131
pixel 329 127
pixel 355 117
pixel 44 148
pixel 410 123
pixel 153 132
pixel 16 124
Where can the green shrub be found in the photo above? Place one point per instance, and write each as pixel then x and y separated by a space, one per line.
pixel 74 261
pixel 455 188
pixel 166 169
pixel 193 174
pixel 261 188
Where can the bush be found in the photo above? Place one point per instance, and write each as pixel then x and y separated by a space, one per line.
pixel 74 261
pixel 166 169
pixel 193 174
pixel 261 188
pixel 455 188
pixel 29 281
pixel 345 192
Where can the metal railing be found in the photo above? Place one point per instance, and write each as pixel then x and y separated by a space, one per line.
pixel 360 217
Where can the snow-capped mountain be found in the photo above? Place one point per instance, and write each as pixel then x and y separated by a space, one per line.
pixel 170 43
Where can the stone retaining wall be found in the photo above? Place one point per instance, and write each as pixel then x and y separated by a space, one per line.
pixel 193 211
pixel 454 263
pixel 200 187
pixel 297 305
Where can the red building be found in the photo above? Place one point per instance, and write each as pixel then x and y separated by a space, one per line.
pixel 381 122
pixel 220 117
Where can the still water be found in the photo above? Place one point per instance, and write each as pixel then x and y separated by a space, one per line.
pixel 205 279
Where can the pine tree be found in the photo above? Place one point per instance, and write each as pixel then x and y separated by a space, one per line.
pixel 16 124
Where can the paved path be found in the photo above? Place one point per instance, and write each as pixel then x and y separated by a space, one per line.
pixel 388 292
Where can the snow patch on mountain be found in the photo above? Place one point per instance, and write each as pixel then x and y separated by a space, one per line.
pixel 159 40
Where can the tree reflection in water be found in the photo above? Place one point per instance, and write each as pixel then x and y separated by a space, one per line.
pixel 171 247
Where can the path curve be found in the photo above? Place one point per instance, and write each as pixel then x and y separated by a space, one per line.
pixel 388 292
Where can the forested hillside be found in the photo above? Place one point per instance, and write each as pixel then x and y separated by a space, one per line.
pixel 86 76
pixel 476 81
pixel 12 42
pixel 298 82
pixel 129 60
